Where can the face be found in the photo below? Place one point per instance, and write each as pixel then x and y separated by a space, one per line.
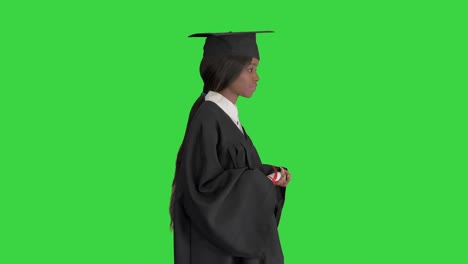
pixel 246 84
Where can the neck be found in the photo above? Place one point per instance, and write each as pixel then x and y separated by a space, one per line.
pixel 229 95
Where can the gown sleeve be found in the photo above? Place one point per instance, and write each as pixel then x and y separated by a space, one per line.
pixel 234 208
pixel 267 169
pixel 279 190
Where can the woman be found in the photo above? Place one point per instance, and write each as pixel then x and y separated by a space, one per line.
pixel 225 205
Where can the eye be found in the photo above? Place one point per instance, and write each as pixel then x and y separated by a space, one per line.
pixel 250 70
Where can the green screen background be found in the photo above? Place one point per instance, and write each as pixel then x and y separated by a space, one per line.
pixel 364 102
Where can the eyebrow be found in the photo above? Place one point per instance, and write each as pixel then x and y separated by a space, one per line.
pixel 253 64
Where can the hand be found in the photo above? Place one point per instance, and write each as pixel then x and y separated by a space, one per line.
pixel 285 179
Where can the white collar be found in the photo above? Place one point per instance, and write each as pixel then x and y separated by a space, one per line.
pixel 228 107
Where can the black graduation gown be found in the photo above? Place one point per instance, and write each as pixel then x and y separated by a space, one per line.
pixel 226 209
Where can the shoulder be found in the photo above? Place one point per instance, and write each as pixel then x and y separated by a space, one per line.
pixel 208 112
pixel 208 115
pixel 208 107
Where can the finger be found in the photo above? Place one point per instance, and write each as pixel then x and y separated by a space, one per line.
pixel 282 180
pixel 282 171
pixel 282 174
pixel 285 182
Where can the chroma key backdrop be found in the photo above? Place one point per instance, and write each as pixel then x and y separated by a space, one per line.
pixel 364 101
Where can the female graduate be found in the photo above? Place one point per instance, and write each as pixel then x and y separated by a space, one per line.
pixel 225 205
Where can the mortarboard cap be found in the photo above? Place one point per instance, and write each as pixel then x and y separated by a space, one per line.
pixel 230 43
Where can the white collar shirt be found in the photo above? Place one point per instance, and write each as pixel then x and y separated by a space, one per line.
pixel 227 106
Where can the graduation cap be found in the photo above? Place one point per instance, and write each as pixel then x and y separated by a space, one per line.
pixel 230 43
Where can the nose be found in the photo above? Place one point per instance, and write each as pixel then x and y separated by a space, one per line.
pixel 256 77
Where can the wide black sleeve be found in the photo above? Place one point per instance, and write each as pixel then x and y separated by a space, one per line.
pixel 267 169
pixel 233 208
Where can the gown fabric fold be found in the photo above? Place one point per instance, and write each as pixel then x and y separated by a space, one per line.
pixel 226 209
